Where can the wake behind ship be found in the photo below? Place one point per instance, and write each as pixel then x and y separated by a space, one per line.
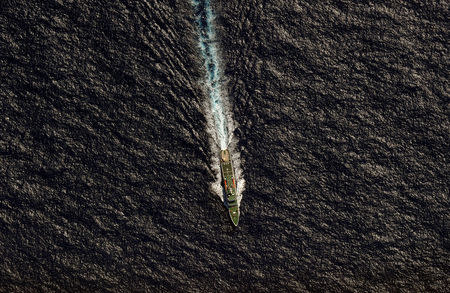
pixel 229 183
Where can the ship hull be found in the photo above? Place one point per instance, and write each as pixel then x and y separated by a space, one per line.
pixel 229 183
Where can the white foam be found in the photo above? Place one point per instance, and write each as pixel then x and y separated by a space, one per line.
pixel 218 109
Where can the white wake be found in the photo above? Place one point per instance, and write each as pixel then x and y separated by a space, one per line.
pixel 217 108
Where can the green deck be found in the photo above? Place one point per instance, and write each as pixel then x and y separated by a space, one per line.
pixel 228 176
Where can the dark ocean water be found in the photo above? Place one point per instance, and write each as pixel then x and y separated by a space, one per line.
pixel 105 162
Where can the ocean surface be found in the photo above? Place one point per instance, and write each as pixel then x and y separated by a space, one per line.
pixel 107 167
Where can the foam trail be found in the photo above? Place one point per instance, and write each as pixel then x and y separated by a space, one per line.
pixel 204 16
pixel 218 114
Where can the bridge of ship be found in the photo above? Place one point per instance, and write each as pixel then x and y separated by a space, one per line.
pixel 227 171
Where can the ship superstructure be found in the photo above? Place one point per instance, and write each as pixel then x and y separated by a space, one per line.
pixel 229 182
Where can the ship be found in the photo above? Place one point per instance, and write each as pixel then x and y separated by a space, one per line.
pixel 229 183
